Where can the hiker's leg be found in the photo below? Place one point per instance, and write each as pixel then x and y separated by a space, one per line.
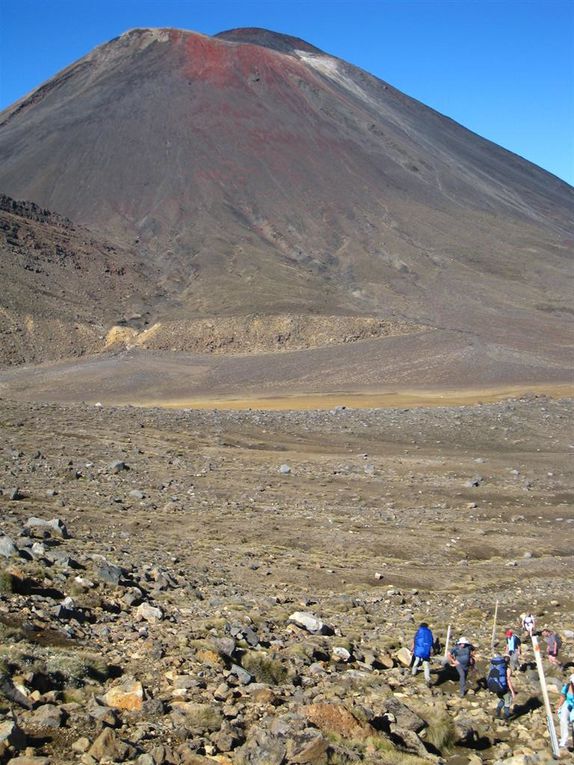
pixel 462 679
pixel 500 705
pixel 507 701
pixel 416 663
pixel 564 725
pixel 426 670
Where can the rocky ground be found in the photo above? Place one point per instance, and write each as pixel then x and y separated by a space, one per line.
pixel 193 587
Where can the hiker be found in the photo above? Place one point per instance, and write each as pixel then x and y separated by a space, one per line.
pixel 553 645
pixel 9 691
pixel 499 681
pixel 513 649
pixel 422 647
pixel 565 708
pixel 461 658
pixel 528 624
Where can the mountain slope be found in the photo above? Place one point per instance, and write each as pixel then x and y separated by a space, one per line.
pixel 255 175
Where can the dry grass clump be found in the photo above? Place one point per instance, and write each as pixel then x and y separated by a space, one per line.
pixel 264 668
pixel 440 731
pixel 76 667
pixel 6 582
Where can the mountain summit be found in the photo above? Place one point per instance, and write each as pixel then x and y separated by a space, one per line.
pixel 251 175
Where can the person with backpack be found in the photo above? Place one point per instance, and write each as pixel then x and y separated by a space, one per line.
pixel 461 658
pixel 499 681
pixel 528 624
pixel 565 708
pixel 553 645
pixel 422 647
pixel 513 649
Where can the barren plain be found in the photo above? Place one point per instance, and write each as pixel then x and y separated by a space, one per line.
pixel 164 624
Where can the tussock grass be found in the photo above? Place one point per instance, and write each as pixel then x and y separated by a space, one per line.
pixel 264 668
pixel 6 582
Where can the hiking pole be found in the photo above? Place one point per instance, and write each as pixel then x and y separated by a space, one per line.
pixel 446 644
pixel 494 627
pixel 544 689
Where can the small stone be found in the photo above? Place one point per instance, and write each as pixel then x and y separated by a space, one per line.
pixel 341 654
pixel 149 613
pixel 284 469
pixel 117 466
pixel 81 745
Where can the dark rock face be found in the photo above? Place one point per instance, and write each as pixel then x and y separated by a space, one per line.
pixel 255 174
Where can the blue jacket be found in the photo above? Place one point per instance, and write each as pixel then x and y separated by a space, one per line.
pixel 423 643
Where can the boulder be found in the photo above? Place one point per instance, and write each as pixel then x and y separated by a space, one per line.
pixel 108 747
pixel 128 695
pixel 309 622
pixel 404 656
pixel 335 719
pixel 149 613
pixel 12 735
pixel 7 547
pixel 46 716
pixel 54 527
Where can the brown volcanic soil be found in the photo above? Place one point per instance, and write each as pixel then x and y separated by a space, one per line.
pixel 384 518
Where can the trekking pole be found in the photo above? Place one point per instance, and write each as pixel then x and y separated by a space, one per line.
pixel 447 641
pixel 494 627
pixel 544 689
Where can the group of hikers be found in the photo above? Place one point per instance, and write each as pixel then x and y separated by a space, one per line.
pixel 462 658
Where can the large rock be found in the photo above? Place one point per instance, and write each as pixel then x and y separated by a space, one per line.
pixel 335 719
pixel 46 716
pixel 7 547
pixel 149 613
pixel 108 747
pixel 310 623
pixel 404 716
pixel 108 573
pixel 309 747
pixel 11 735
pixel 262 748
pixel 404 656
pixel 128 695
pixel 409 742
pixel 54 527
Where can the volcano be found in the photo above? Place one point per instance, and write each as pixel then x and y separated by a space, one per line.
pixel 268 196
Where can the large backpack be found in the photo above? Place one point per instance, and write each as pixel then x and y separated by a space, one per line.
pixel 496 680
pixel 423 643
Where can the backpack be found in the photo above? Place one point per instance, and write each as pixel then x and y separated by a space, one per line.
pixel 423 643
pixel 496 680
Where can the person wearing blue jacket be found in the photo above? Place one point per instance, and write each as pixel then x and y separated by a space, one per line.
pixel 565 709
pixel 421 648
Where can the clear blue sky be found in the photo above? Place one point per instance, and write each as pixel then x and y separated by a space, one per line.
pixel 503 68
